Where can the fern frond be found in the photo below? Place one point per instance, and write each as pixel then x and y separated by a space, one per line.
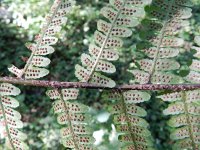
pixel 10 118
pixel 185 110
pixel 132 128
pixel 160 42
pixel 36 65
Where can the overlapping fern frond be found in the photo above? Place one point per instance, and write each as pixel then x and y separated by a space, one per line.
pixel 160 43
pixel 10 119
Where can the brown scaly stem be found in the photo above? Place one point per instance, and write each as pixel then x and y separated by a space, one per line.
pixel 57 84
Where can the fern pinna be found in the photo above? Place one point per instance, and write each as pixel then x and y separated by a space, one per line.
pixel 159 42
pixel 185 109
pixel 78 134
pixel 121 15
pixel 132 128
pixel 34 67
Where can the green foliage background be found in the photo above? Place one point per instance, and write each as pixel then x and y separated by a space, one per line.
pixel 40 123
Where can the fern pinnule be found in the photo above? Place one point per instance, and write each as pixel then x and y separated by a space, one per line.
pixel 160 42
pixel 10 118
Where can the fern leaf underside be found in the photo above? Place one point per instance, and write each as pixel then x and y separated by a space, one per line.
pixel 10 119
pixel 121 15
pixel 132 128
pixel 36 65
pixel 78 134
pixel 160 47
